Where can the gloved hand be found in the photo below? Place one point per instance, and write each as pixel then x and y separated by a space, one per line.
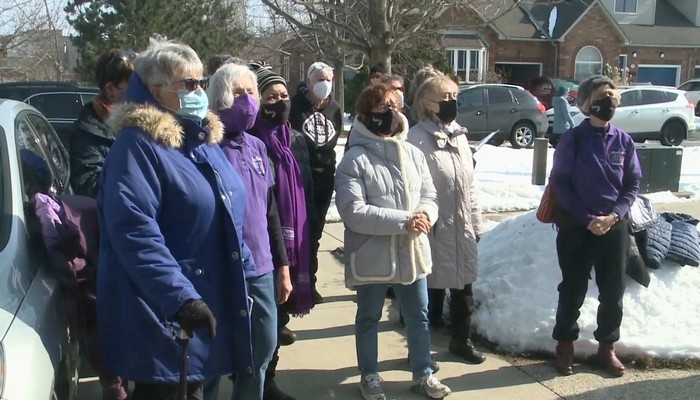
pixel 195 314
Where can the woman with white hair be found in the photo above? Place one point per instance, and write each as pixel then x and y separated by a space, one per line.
pixel 317 116
pixel 172 256
pixel 233 95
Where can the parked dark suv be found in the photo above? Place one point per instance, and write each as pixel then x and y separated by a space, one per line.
pixel 60 102
pixel 515 111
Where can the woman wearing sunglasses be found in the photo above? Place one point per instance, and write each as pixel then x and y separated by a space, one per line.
pixel 92 138
pixel 173 260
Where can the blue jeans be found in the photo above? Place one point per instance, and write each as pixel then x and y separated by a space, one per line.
pixel 263 318
pixel 413 302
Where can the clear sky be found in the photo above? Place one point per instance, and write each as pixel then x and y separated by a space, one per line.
pixel 256 13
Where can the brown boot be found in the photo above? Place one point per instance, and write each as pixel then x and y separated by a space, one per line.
pixel 607 357
pixel 565 357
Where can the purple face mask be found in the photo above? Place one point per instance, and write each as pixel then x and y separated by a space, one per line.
pixel 241 116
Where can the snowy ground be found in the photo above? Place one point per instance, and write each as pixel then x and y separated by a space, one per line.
pixel 517 298
pixel 504 177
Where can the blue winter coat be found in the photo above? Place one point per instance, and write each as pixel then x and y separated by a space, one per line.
pixel 171 211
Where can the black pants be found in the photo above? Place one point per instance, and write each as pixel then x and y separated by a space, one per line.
pixel 579 250
pixel 165 391
pixel 461 309
pixel 323 194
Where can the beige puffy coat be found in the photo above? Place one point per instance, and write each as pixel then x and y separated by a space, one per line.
pixel 453 239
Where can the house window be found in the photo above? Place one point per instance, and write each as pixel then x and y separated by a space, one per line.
pixel 696 73
pixel 285 68
pixel 589 62
pixel 626 6
pixel 302 70
pixel 468 64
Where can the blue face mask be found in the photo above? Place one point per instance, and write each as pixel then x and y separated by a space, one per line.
pixel 194 104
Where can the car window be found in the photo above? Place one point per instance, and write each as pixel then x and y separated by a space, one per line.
pixel 652 97
pixel 58 105
pixel 87 97
pixel 499 96
pixel 670 96
pixel 522 96
pixel 686 86
pixel 470 98
pixel 628 98
pixel 37 177
pixel 55 152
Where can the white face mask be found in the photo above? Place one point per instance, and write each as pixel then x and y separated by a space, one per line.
pixel 322 89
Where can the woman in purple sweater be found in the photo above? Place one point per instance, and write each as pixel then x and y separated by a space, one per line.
pixel 233 95
pixel 595 179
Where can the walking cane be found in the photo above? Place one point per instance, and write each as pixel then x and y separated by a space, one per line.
pixel 183 340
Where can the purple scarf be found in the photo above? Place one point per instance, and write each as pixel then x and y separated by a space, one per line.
pixel 291 205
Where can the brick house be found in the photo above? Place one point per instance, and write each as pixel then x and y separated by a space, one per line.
pixel 657 41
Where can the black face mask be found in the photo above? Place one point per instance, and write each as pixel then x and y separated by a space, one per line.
pixel 448 111
pixel 604 108
pixel 381 123
pixel 275 113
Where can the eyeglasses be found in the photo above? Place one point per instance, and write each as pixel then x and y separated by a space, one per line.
pixel 191 84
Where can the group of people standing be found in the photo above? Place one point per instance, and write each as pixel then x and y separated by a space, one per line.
pixel 212 194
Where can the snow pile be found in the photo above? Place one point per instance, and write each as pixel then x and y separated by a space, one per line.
pixel 517 298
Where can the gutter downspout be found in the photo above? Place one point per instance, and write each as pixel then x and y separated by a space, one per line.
pixel 556 57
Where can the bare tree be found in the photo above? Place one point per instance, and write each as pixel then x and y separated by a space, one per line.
pixel 374 28
pixel 34 46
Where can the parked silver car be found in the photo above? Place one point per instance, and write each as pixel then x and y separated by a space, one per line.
pixel 38 356
pixel 516 112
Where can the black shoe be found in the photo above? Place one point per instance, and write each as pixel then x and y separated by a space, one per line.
pixel 466 350
pixel 272 392
pixel 317 298
pixel 287 337
pixel 390 293
pixel 433 364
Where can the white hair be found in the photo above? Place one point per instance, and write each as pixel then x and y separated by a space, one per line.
pixel 224 83
pixel 164 61
pixel 317 68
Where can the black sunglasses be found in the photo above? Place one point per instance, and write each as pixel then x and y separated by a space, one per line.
pixel 191 84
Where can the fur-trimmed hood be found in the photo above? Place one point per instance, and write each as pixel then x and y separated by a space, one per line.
pixel 160 125
pixel 142 111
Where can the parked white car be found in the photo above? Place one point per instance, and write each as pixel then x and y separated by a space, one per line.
pixel 38 357
pixel 692 92
pixel 649 113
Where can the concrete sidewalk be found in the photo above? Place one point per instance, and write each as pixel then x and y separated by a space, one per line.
pixel 322 363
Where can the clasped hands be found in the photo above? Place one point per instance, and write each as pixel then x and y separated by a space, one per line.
pixel 601 225
pixel 419 223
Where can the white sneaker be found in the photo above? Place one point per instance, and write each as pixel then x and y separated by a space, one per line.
pixel 371 387
pixel 431 387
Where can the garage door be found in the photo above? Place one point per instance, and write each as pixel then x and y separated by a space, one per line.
pixel 519 73
pixel 666 76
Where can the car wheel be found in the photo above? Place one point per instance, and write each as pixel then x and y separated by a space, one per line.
pixel 522 135
pixel 697 109
pixel 672 133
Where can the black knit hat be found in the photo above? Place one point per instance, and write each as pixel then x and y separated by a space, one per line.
pixel 589 86
pixel 265 75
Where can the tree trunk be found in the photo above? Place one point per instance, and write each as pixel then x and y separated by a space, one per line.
pixel 380 32
pixel 338 67
pixel 381 54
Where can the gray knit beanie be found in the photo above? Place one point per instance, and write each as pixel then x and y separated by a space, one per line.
pixel 265 75
pixel 589 86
